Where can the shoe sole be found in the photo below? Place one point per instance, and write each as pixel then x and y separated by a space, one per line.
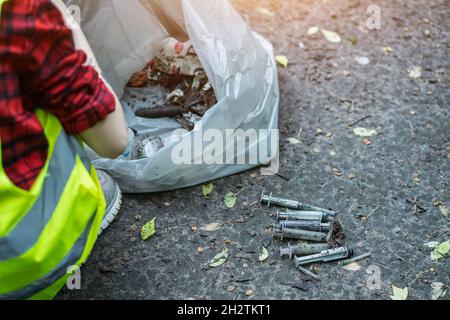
pixel 112 214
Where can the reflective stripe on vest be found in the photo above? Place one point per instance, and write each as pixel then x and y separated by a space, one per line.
pixel 53 226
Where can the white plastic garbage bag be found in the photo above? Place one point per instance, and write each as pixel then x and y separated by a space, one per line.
pixel 126 35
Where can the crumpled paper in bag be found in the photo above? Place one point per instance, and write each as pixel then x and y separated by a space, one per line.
pixel 125 35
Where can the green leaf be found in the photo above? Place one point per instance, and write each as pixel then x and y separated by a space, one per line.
pixel 399 294
pixel 264 255
pixel 363 132
pixel 230 200
pixel 207 189
pixel 211 227
pixel 293 141
pixel 435 255
pixel 438 290
pixel 444 210
pixel 440 250
pixel 331 36
pixel 219 259
pixel 283 60
pixel 444 248
pixel 148 230
pixel 313 30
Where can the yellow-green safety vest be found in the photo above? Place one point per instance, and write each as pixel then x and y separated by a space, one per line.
pixel 46 231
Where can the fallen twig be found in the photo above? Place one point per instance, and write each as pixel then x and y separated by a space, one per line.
pixel 359 120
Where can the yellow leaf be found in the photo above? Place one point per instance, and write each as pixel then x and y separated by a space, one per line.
pixel 148 230
pixel 264 254
pixel 293 141
pixel 331 36
pixel 283 60
pixel 207 189
pixel 313 30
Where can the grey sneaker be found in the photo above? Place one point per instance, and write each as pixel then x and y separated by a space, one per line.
pixel 113 198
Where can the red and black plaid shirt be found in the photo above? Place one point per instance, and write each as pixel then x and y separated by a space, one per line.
pixel 40 68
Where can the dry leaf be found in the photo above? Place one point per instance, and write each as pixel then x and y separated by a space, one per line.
pixel 331 36
pixel 431 244
pixel 211 227
pixel 362 60
pixel 354 266
pixel 436 203
pixel 313 30
pixel 415 72
pixel 363 132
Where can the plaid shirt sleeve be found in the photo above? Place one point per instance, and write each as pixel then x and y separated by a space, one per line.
pixel 40 67
pixel 59 79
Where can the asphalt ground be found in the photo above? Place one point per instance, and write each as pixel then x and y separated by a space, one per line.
pixel 391 189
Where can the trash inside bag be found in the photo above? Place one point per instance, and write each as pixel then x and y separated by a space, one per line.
pixel 177 71
pixel 184 69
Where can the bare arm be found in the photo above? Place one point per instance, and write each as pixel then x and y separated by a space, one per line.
pixel 72 88
pixel 108 138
